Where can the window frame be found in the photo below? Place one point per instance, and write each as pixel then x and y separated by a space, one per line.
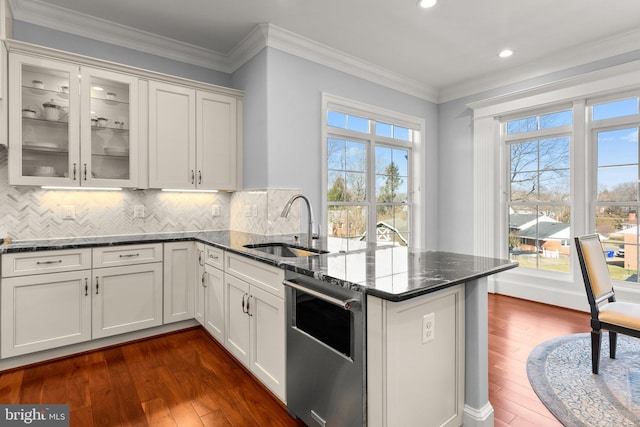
pixel 415 172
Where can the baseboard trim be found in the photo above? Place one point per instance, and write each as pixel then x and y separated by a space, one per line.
pixel 478 417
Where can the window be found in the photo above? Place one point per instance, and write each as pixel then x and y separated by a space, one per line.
pixel 615 127
pixel 369 159
pixel 539 196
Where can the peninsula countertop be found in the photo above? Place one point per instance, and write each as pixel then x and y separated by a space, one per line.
pixel 393 273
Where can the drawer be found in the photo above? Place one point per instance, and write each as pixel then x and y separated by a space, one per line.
pixel 26 263
pixel 214 257
pixel 111 256
pixel 266 277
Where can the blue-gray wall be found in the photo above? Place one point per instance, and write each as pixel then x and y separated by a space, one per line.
pixel 455 154
pixel 68 42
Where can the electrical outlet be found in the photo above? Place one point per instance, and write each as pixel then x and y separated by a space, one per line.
pixel 69 212
pixel 254 210
pixel 138 211
pixel 428 327
pixel 215 210
pixel 247 210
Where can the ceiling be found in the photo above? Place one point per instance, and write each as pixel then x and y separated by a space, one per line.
pixel 450 50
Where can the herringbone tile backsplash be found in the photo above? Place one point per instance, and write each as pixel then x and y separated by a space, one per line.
pixel 33 213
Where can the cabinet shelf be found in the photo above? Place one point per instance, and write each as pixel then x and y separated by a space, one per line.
pixel 112 102
pixel 46 93
pixel 44 147
pixel 44 122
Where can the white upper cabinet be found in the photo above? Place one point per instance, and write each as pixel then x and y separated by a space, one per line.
pixel 71 125
pixel 193 138
pixel 172 136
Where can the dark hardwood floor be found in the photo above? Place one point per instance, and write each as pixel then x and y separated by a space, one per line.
pixel 187 379
pixel 515 328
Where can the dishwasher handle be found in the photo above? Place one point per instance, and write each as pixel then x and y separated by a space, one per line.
pixel 346 304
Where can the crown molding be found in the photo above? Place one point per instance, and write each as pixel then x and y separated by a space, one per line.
pixel 580 55
pixel 295 44
pixel 46 15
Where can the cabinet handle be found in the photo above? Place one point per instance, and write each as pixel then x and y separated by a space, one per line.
pixel 85 171
pixel 48 262
pixel 86 286
pixel 193 177
pixel 128 255
pixel 200 258
pixel 97 285
pixel 213 257
pixel 74 171
pixel 199 177
pixel 204 283
pixel 243 297
pixel 248 300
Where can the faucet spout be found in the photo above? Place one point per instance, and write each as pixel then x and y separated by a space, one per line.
pixel 287 208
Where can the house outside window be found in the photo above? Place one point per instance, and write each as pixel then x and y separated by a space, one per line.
pixel 539 195
pixel 369 174
pixel 614 126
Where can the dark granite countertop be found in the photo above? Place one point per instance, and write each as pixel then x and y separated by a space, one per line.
pixel 394 273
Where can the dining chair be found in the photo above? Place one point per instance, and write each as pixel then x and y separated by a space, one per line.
pixel 606 312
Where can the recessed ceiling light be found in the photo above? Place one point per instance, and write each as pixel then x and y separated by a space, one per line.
pixel 505 53
pixel 426 3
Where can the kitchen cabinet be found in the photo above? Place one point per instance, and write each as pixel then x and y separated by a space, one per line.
pixel 70 131
pixel 210 300
pixel 193 138
pixel 179 281
pixel 255 319
pixel 45 300
pixel 416 360
pixel 127 289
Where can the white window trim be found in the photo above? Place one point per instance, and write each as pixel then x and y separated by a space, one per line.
pixel 489 188
pixel 418 202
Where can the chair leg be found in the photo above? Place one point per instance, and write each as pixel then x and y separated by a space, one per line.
pixel 613 339
pixel 596 339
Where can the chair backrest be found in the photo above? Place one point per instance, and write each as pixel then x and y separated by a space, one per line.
pixel 595 271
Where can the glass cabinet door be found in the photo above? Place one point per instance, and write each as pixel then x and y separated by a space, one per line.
pixel 43 131
pixel 108 128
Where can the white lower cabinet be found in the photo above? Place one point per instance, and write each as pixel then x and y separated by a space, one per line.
pixel 126 299
pixel 179 281
pixel 410 368
pixel 45 311
pixel 255 319
pixel 210 291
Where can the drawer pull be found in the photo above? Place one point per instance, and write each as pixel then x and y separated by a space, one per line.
pixel 129 255
pixel 204 283
pixel 97 286
pixel 214 257
pixel 48 262
pixel 86 287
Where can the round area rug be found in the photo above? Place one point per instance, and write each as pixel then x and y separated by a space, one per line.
pixel 559 371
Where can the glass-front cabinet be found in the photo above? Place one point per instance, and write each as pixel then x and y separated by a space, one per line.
pixel 71 125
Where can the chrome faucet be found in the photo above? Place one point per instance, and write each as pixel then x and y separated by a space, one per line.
pixel 287 208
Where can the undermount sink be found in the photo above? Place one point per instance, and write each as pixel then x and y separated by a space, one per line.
pixel 285 250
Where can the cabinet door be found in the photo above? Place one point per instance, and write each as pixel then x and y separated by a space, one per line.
pixel 237 339
pixel 126 299
pixel 179 281
pixel 200 285
pixel 268 352
pixel 45 311
pixel 109 129
pixel 214 304
pixel 172 136
pixel 216 141
pixel 44 131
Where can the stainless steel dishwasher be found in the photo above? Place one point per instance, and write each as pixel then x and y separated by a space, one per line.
pixel 326 367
